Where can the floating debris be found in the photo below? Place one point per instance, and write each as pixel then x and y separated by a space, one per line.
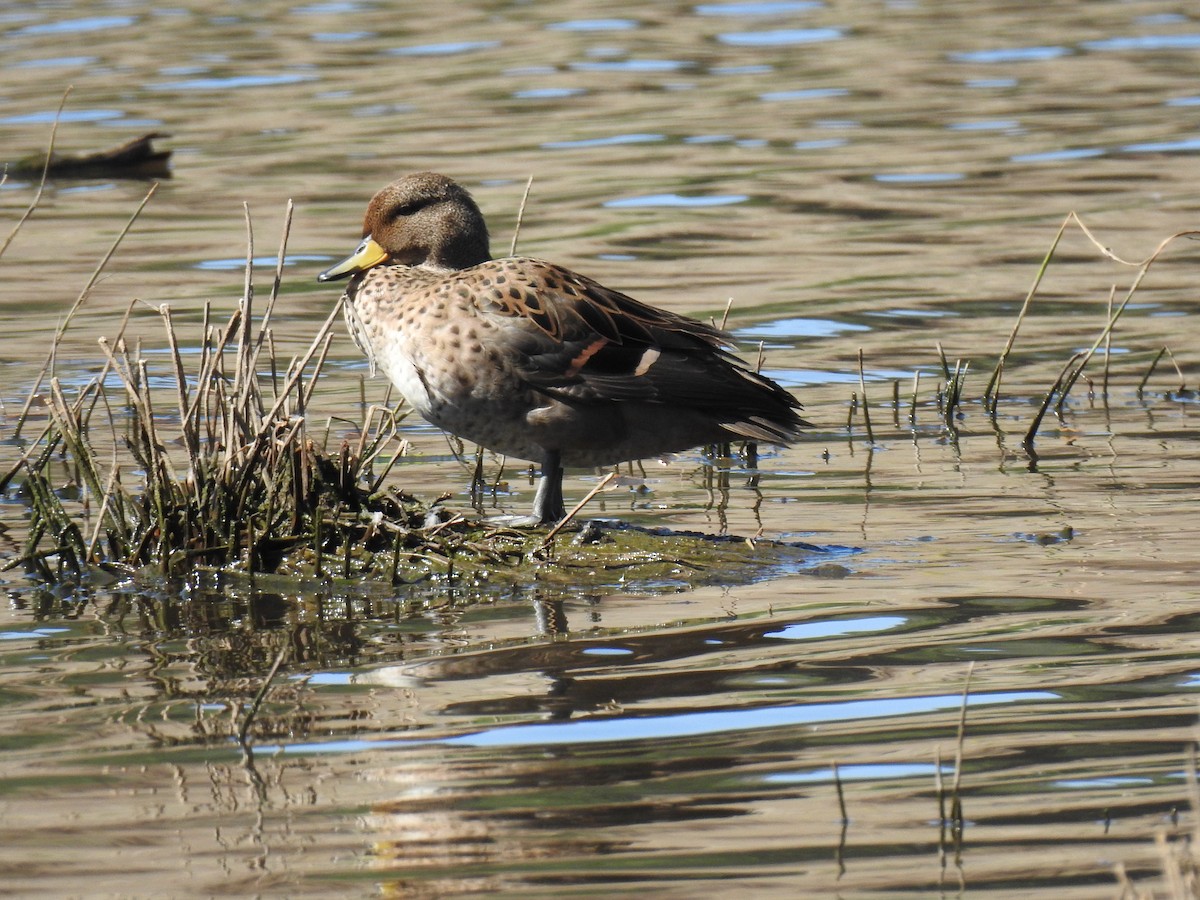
pixel 136 158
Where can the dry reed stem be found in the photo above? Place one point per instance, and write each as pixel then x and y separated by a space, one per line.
pixel 1112 296
pixel 110 493
pixel 305 398
pixel 1179 860
pixel 952 397
pixel 520 217
pixel 70 423
pixel 862 386
pixel 991 393
pixel 190 438
pixel 37 195
pixel 322 339
pixel 245 379
pixel 264 332
pixel 1178 371
pixel 1036 424
pixel 35 446
pixel 1172 873
pixel 601 485
pixel 48 365
pixel 1066 383
pixel 942 360
pixel 1150 371
pixel 1127 888
pixel 100 267
pixel 725 314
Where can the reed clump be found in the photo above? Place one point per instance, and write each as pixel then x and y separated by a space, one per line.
pixel 951 396
pixel 212 463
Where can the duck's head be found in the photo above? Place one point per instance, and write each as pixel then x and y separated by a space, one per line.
pixel 420 219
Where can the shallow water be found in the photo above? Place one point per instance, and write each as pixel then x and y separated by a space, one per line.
pixel 880 177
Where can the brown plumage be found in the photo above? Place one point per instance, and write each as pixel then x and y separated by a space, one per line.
pixel 533 360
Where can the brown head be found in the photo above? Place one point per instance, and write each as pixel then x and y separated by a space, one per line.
pixel 420 219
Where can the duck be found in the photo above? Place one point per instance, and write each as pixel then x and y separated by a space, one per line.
pixel 533 360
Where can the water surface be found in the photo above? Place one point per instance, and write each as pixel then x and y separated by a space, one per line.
pixel 882 178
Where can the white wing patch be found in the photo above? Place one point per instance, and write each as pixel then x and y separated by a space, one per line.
pixel 649 358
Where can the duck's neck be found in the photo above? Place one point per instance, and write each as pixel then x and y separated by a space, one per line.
pixel 462 256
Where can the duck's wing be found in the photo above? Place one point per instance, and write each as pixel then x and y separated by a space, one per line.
pixel 578 341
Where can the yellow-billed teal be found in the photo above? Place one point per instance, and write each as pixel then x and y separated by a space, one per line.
pixel 533 360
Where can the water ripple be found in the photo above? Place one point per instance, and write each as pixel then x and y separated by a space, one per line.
pixel 1059 155
pixel 239 263
pixel 54 61
pixel 1146 42
pixel 341 37
pixel 77 26
pixel 797 328
pixel 752 69
pixel 701 723
pixel 607 651
pixel 1188 145
pixel 676 200
pixel 812 377
pixel 448 48
pixel 633 65
pixel 825 144
pixel 1009 54
pixel 751 8
pixel 807 631
pixel 548 93
pixel 878 772
pixel 784 37
pixel 803 94
pixel 215 83
pixel 985 83
pixel 985 125
pixel 611 141
pixel 593 25
pixel 918 177
pixel 335 7
pixel 67 115
pixel 691 724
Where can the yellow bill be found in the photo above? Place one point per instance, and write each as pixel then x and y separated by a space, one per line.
pixel 368 254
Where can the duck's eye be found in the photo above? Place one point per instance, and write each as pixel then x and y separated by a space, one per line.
pixel 406 209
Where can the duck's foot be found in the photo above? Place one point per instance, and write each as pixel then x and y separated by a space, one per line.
pixel 548 506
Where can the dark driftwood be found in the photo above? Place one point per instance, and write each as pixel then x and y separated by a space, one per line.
pixel 136 158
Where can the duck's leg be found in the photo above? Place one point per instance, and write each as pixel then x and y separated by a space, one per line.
pixel 548 507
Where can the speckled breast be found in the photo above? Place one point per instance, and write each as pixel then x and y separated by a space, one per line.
pixel 429 339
